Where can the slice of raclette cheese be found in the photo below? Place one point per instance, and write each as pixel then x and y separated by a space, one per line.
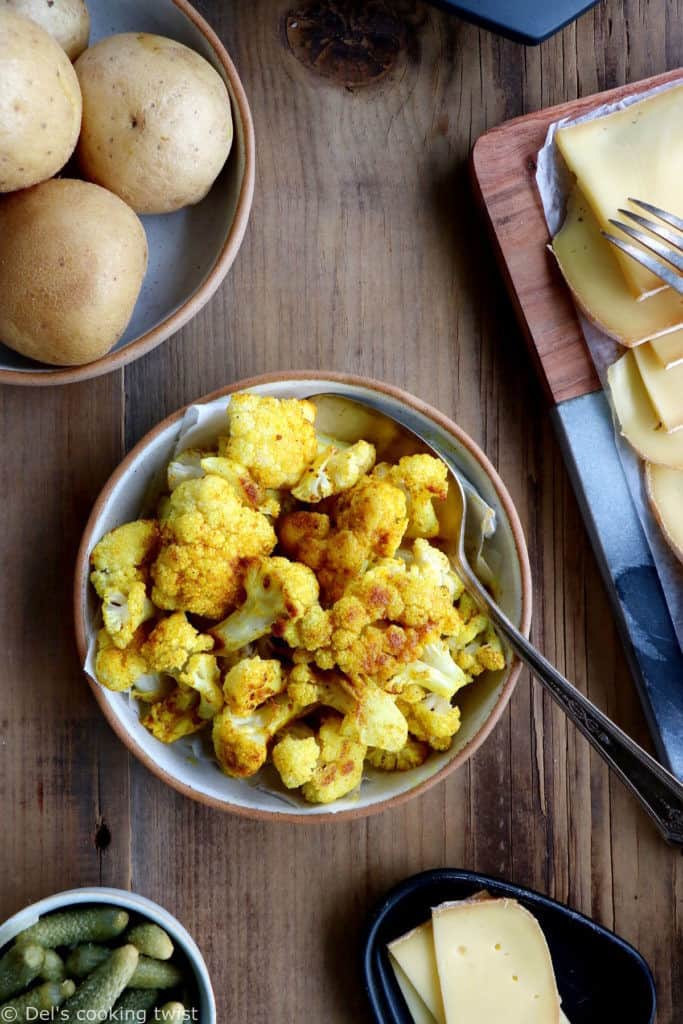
pixel 665 491
pixel 494 964
pixel 417 1008
pixel 414 953
pixel 669 348
pixel 638 421
pixel 635 152
pixel 589 266
pixel 664 387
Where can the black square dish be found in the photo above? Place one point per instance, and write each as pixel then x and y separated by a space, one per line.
pixel 600 977
pixel 525 21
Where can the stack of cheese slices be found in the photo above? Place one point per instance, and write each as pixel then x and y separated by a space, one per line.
pixel 635 152
pixel 483 960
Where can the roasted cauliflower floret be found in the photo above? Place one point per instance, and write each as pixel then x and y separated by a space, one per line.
pixel 423 479
pixel 340 764
pixel 312 631
pixel 246 488
pixel 241 742
pixel 202 674
pixel 171 643
pixel 123 555
pixel 208 540
pixel 185 466
pixel 336 556
pixel 174 717
pixel 334 470
pixel 429 559
pixel 295 756
pixel 370 714
pixel 478 656
pixel 435 670
pixel 273 438
pixel 251 682
pixel 432 719
pixel 412 755
pixel 125 610
pixel 116 668
pixel 278 593
pixel 375 511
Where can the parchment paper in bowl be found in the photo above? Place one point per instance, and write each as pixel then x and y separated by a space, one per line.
pixel 191 759
pixel 554 184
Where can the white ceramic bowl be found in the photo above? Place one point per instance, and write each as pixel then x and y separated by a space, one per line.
pixel 190 251
pixel 130 901
pixel 481 704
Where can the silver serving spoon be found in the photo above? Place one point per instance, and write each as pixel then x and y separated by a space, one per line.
pixel 660 793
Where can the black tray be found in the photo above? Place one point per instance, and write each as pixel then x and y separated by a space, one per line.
pixel 601 978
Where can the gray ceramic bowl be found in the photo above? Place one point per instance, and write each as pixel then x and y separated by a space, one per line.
pixel 190 251
pixel 130 901
pixel 195 772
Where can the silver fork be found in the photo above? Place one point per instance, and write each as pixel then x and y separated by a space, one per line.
pixel 656 242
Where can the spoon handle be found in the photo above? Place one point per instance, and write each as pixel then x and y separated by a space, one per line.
pixel 660 793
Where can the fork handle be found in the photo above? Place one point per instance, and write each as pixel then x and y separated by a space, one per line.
pixel 660 792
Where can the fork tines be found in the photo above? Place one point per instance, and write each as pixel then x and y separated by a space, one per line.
pixel 660 239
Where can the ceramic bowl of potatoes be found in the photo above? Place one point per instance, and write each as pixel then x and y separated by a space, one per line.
pixel 266 609
pixel 101 954
pixel 126 180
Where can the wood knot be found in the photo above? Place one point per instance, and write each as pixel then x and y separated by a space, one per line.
pixel 351 42
pixel 102 835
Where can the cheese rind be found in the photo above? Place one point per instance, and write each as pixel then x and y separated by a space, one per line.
pixel 414 953
pixel 635 152
pixel 665 492
pixel 638 420
pixel 664 387
pixel 494 964
pixel 417 1008
pixel 590 268
pixel 669 348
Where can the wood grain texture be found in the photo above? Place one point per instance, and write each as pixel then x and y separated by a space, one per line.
pixel 503 171
pixel 365 253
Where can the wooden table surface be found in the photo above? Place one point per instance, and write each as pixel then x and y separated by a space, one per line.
pixel 364 253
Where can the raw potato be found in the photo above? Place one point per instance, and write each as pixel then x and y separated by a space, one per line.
pixel 639 422
pixel 40 104
pixel 157 126
pixel 665 491
pixel 67 21
pixel 71 267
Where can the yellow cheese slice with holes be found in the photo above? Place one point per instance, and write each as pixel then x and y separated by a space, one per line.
pixel 590 268
pixel 638 421
pixel 669 348
pixel 494 964
pixel 665 491
pixel 635 152
pixel 414 953
pixel 417 1008
pixel 664 387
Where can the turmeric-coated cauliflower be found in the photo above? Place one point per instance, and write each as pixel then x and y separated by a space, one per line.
pixel 334 470
pixel 241 742
pixel 278 592
pixel 340 764
pixel 375 511
pixel 124 610
pixel 432 719
pixel 423 479
pixel 336 556
pixel 295 756
pixel 273 437
pixel 435 670
pixel 175 716
pixel 208 541
pixel 412 755
pixel 116 668
pixel 171 643
pixel 123 555
pixel 251 682
pixel 202 674
pixel 249 491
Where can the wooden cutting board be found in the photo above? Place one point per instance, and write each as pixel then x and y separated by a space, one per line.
pixel 503 165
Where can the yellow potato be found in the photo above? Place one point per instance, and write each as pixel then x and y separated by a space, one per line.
pixel 40 104
pixel 157 126
pixel 67 21
pixel 71 266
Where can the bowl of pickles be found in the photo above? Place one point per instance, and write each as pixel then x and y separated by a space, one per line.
pixel 101 954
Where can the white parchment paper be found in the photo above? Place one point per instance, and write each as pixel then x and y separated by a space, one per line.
pixel 554 183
